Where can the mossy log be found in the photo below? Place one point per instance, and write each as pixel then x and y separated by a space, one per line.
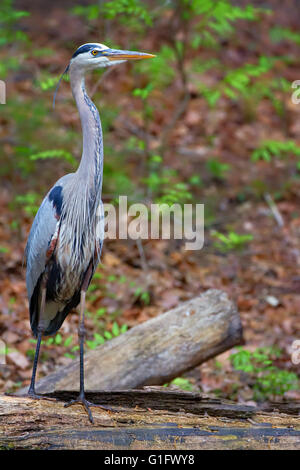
pixel 152 418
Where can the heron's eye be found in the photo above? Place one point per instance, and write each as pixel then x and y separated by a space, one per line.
pixel 94 52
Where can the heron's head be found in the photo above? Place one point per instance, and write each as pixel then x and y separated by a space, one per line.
pixel 93 56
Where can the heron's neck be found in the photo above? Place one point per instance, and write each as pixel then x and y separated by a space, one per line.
pixel 90 169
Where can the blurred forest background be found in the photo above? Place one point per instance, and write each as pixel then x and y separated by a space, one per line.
pixel 210 120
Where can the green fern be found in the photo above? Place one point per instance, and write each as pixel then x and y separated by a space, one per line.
pixel 9 18
pixel 265 379
pixel 59 153
pixel 133 13
pixel 278 34
pixel 48 82
pixel 217 169
pixel 231 241
pixel 107 335
pixel 275 148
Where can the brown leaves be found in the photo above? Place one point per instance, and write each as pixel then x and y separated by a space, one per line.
pixel 18 359
pixel 110 260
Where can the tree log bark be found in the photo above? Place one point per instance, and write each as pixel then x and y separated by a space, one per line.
pixel 150 419
pixel 157 350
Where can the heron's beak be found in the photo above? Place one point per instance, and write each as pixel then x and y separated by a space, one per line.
pixel 115 54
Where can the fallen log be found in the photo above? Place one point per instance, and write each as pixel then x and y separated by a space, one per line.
pixel 157 350
pixel 152 418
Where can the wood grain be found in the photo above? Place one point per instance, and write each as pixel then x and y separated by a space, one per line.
pixel 151 418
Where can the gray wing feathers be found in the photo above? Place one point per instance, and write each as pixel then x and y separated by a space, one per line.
pixel 42 230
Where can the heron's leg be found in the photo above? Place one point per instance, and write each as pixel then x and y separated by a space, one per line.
pixel 31 390
pixel 81 334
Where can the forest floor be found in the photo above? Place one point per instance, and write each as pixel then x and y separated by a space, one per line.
pixel 263 278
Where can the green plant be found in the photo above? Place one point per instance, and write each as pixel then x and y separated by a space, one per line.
pixel 26 117
pixel 133 13
pixel 11 35
pixel 275 148
pixel 231 241
pixel 248 83
pixel 164 186
pixel 278 33
pixel 177 193
pixel 165 58
pixel 265 379
pixel 198 23
pixel 58 153
pixel 183 383
pixel 217 169
pixel 56 340
pixel 142 295
pixel 116 330
pixel 238 80
pixel 47 82
pixel 128 11
pixel 29 202
pixel 147 109
pixel 98 339
pixel 9 18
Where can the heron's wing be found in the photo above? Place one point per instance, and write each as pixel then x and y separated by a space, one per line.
pixel 43 229
pixel 41 233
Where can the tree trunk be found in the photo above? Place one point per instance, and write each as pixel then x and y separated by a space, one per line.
pixel 157 350
pixel 151 419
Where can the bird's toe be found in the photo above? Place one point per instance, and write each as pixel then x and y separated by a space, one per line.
pixel 85 403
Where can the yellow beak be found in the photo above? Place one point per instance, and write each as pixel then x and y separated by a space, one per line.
pixel 115 54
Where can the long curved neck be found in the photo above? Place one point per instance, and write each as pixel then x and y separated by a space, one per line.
pixel 90 170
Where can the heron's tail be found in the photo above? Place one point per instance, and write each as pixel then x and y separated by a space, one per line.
pixel 53 315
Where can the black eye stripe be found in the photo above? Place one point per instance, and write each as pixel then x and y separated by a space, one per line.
pixel 85 48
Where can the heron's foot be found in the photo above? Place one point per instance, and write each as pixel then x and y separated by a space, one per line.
pixel 31 394
pixel 35 396
pixel 86 404
pixel 81 400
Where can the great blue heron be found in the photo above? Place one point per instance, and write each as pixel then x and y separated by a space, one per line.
pixel 66 237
